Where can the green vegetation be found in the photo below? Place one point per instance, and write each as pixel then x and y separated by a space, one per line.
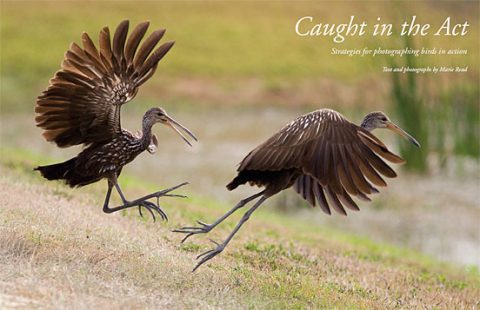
pixel 464 114
pixel 410 108
pixel 277 262
pixel 452 114
pixel 219 47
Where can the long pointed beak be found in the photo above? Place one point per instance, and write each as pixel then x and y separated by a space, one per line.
pixel 171 122
pixel 402 132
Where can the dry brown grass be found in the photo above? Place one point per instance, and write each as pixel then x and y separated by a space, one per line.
pixel 58 250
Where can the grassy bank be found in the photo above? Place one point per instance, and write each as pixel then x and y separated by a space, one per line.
pixel 59 249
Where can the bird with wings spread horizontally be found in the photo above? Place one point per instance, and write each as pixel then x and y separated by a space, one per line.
pixel 322 155
pixel 82 106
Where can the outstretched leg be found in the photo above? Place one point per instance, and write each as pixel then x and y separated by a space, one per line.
pixel 204 257
pixel 205 228
pixel 140 202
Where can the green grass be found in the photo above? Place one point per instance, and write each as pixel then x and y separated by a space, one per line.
pixel 221 43
pixel 450 114
pixel 276 261
pixel 409 105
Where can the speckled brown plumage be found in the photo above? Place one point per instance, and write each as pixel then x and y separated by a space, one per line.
pixel 83 101
pixel 319 153
pixel 82 104
pixel 326 158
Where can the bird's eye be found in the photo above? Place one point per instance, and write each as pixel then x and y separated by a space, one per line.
pixel 384 119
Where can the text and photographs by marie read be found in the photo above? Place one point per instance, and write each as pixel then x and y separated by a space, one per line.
pixel 307 26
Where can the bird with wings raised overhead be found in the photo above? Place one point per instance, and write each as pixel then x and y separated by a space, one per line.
pixel 82 106
pixel 326 158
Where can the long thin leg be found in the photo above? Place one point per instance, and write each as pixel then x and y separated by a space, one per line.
pixel 205 228
pixel 156 194
pixel 220 246
pixel 107 197
pixel 119 190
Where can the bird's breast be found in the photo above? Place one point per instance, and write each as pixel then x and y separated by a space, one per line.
pixel 114 155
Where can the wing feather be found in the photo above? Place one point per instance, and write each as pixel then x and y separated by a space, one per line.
pixel 82 103
pixel 134 40
pixel 379 148
pixel 334 202
pixel 92 52
pixel 377 163
pixel 322 201
pixel 147 47
pixel 106 48
pixel 118 45
pixel 347 201
pixel 344 174
pixel 337 159
pixel 357 176
pixel 367 169
pixel 308 193
pixel 149 67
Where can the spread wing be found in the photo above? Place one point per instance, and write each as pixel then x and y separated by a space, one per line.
pixel 82 103
pixel 338 159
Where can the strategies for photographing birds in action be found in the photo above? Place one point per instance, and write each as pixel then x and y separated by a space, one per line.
pixel 82 106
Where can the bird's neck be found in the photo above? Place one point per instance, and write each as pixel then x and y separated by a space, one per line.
pixel 367 125
pixel 146 134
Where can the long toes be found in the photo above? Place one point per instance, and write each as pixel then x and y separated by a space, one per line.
pixel 164 215
pixel 203 224
pixel 210 254
pixel 165 191
pixel 149 208
pixel 175 195
pixel 214 242
pixel 197 266
pixel 186 237
pixel 205 253
pixel 182 231
pixel 189 229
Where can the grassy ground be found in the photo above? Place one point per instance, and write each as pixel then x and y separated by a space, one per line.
pixel 59 250
pixel 414 211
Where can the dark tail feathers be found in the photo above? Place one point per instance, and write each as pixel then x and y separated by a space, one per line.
pixel 238 180
pixel 232 185
pixel 61 171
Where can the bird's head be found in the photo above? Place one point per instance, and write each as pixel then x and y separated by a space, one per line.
pixel 158 115
pixel 378 119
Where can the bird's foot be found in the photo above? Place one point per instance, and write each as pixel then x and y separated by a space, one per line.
pixel 150 206
pixel 208 255
pixel 166 192
pixel 194 230
pixel 174 195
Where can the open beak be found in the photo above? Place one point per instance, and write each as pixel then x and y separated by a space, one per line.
pixel 172 123
pixel 401 132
